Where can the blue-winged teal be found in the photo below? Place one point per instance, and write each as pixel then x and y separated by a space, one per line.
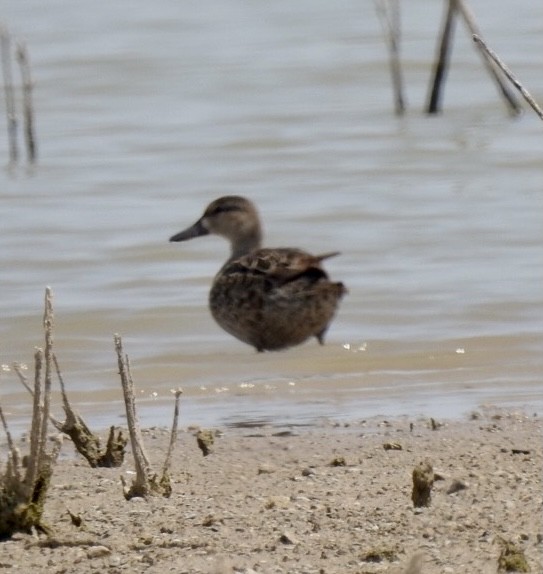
pixel 269 298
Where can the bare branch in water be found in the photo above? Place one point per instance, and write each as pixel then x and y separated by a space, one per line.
pixel 442 63
pixel 389 13
pixel 28 108
pixel 490 53
pixel 5 43
pixel 469 19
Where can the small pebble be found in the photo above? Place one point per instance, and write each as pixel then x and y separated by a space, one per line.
pixel 97 552
pixel 456 486
pixel 266 469
pixel 287 538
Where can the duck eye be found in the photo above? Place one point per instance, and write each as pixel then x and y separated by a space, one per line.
pixel 223 209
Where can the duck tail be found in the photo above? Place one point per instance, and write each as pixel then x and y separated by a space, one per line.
pixel 327 255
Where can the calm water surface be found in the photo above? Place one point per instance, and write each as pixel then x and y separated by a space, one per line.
pixel 146 114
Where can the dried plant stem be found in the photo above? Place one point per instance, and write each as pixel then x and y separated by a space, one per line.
pixel 23 380
pixel 41 483
pixel 389 13
pixel 454 8
pixel 85 441
pixel 469 19
pixel 146 481
pixel 15 470
pixel 48 322
pixel 22 377
pixel 37 419
pixel 491 54
pixel 28 110
pixel 5 42
pixel 71 416
pixel 443 60
pixel 173 435
pixel 141 462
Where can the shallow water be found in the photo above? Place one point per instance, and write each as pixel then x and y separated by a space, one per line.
pixel 144 116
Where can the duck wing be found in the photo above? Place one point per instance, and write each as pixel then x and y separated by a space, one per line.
pixel 281 265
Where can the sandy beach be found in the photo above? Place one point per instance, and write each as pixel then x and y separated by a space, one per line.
pixel 332 498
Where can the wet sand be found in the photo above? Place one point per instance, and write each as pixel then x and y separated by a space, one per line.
pixel 319 499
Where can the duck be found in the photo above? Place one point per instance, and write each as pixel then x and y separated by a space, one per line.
pixel 269 298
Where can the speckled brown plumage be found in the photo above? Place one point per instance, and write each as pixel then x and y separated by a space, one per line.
pixel 269 298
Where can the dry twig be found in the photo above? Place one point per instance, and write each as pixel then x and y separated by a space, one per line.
pixel 493 56
pixel 5 43
pixel 389 14
pixel 146 482
pixel 173 434
pixel 469 19
pixel 442 63
pixel 28 109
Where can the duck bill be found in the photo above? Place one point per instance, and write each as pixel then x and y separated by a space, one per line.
pixel 196 230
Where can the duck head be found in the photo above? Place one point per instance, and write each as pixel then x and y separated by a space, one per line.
pixel 233 217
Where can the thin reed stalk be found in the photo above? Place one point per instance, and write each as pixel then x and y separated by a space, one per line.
pixel 508 96
pixel 5 44
pixel 389 14
pixel 173 434
pixel 28 109
pixel 48 322
pixel 442 63
pixel 146 482
pixel 494 57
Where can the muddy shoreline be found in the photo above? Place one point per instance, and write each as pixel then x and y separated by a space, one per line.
pixel 330 498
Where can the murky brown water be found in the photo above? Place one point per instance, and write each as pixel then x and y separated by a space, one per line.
pixel 144 115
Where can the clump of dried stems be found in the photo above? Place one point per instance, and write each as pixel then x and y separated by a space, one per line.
pixel 389 12
pixel 23 488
